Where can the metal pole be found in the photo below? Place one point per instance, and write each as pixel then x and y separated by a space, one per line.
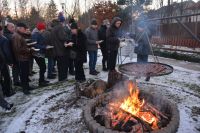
pixel 188 30
pixel 173 17
pixel 132 16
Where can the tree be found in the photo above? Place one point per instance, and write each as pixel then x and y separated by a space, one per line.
pixel 23 8
pixel 4 8
pixel 34 17
pixel 105 10
pixel 51 12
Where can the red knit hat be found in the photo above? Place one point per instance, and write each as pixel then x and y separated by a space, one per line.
pixel 41 26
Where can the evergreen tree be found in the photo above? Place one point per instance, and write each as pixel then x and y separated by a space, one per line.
pixel 51 12
pixel 34 17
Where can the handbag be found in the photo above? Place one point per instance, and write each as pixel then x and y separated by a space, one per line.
pixel 73 54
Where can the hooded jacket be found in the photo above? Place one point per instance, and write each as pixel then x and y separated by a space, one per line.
pixel 112 35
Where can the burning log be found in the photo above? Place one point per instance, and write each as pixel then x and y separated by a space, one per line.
pixel 148 105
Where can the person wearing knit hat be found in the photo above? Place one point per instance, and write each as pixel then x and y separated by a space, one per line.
pixel 94 21
pixel 92 45
pixel 39 57
pixel 74 25
pixel 79 47
pixel 41 26
pixel 61 17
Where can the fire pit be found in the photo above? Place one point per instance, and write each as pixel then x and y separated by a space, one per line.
pixel 131 112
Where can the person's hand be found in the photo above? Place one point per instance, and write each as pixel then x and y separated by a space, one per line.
pixel 34 49
pixel 49 47
pixel 70 44
pixel 11 65
pixel 98 42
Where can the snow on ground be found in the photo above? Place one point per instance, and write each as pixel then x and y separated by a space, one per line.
pixel 56 108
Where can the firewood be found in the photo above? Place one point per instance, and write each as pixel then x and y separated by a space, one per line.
pixel 156 111
pixel 137 128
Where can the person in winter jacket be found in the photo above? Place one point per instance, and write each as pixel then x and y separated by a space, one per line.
pixel 22 53
pixel 71 66
pixel 49 52
pixel 143 49
pixel 6 79
pixel 79 46
pixel 102 36
pixel 59 39
pixel 92 45
pixel 40 56
pixel 3 103
pixel 113 41
pixel 8 33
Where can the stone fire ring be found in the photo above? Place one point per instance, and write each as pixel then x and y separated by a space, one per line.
pixel 95 127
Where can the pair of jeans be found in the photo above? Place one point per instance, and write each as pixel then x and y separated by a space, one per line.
pixel 42 66
pixel 92 60
pixel 24 73
pixel 112 60
pixel 51 64
pixel 142 58
pixel 62 64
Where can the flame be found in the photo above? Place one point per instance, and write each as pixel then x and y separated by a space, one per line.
pixel 134 106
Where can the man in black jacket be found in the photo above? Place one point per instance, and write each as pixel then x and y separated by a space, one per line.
pixel 112 36
pixel 8 32
pixel 3 102
pixel 6 82
pixel 102 36
pixel 59 38
pixel 79 46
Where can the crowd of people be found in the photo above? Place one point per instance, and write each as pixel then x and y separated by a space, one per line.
pixel 64 45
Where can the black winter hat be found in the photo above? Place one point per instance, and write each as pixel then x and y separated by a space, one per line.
pixel 94 22
pixel 74 25
pixel 21 25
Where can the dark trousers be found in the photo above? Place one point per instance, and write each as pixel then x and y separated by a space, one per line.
pixel 31 62
pixel 79 72
pixel 71 66
pixel 6 81
pixel 3 102
pixel 51 64
pixel 112 59
pixel 92 60
pixel 15 73
pixel 62 64
pixel 142 58
pixel 24 73
pixel 41 63
pixel 105 57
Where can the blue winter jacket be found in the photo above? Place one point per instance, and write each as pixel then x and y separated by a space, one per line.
pixel 37 37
